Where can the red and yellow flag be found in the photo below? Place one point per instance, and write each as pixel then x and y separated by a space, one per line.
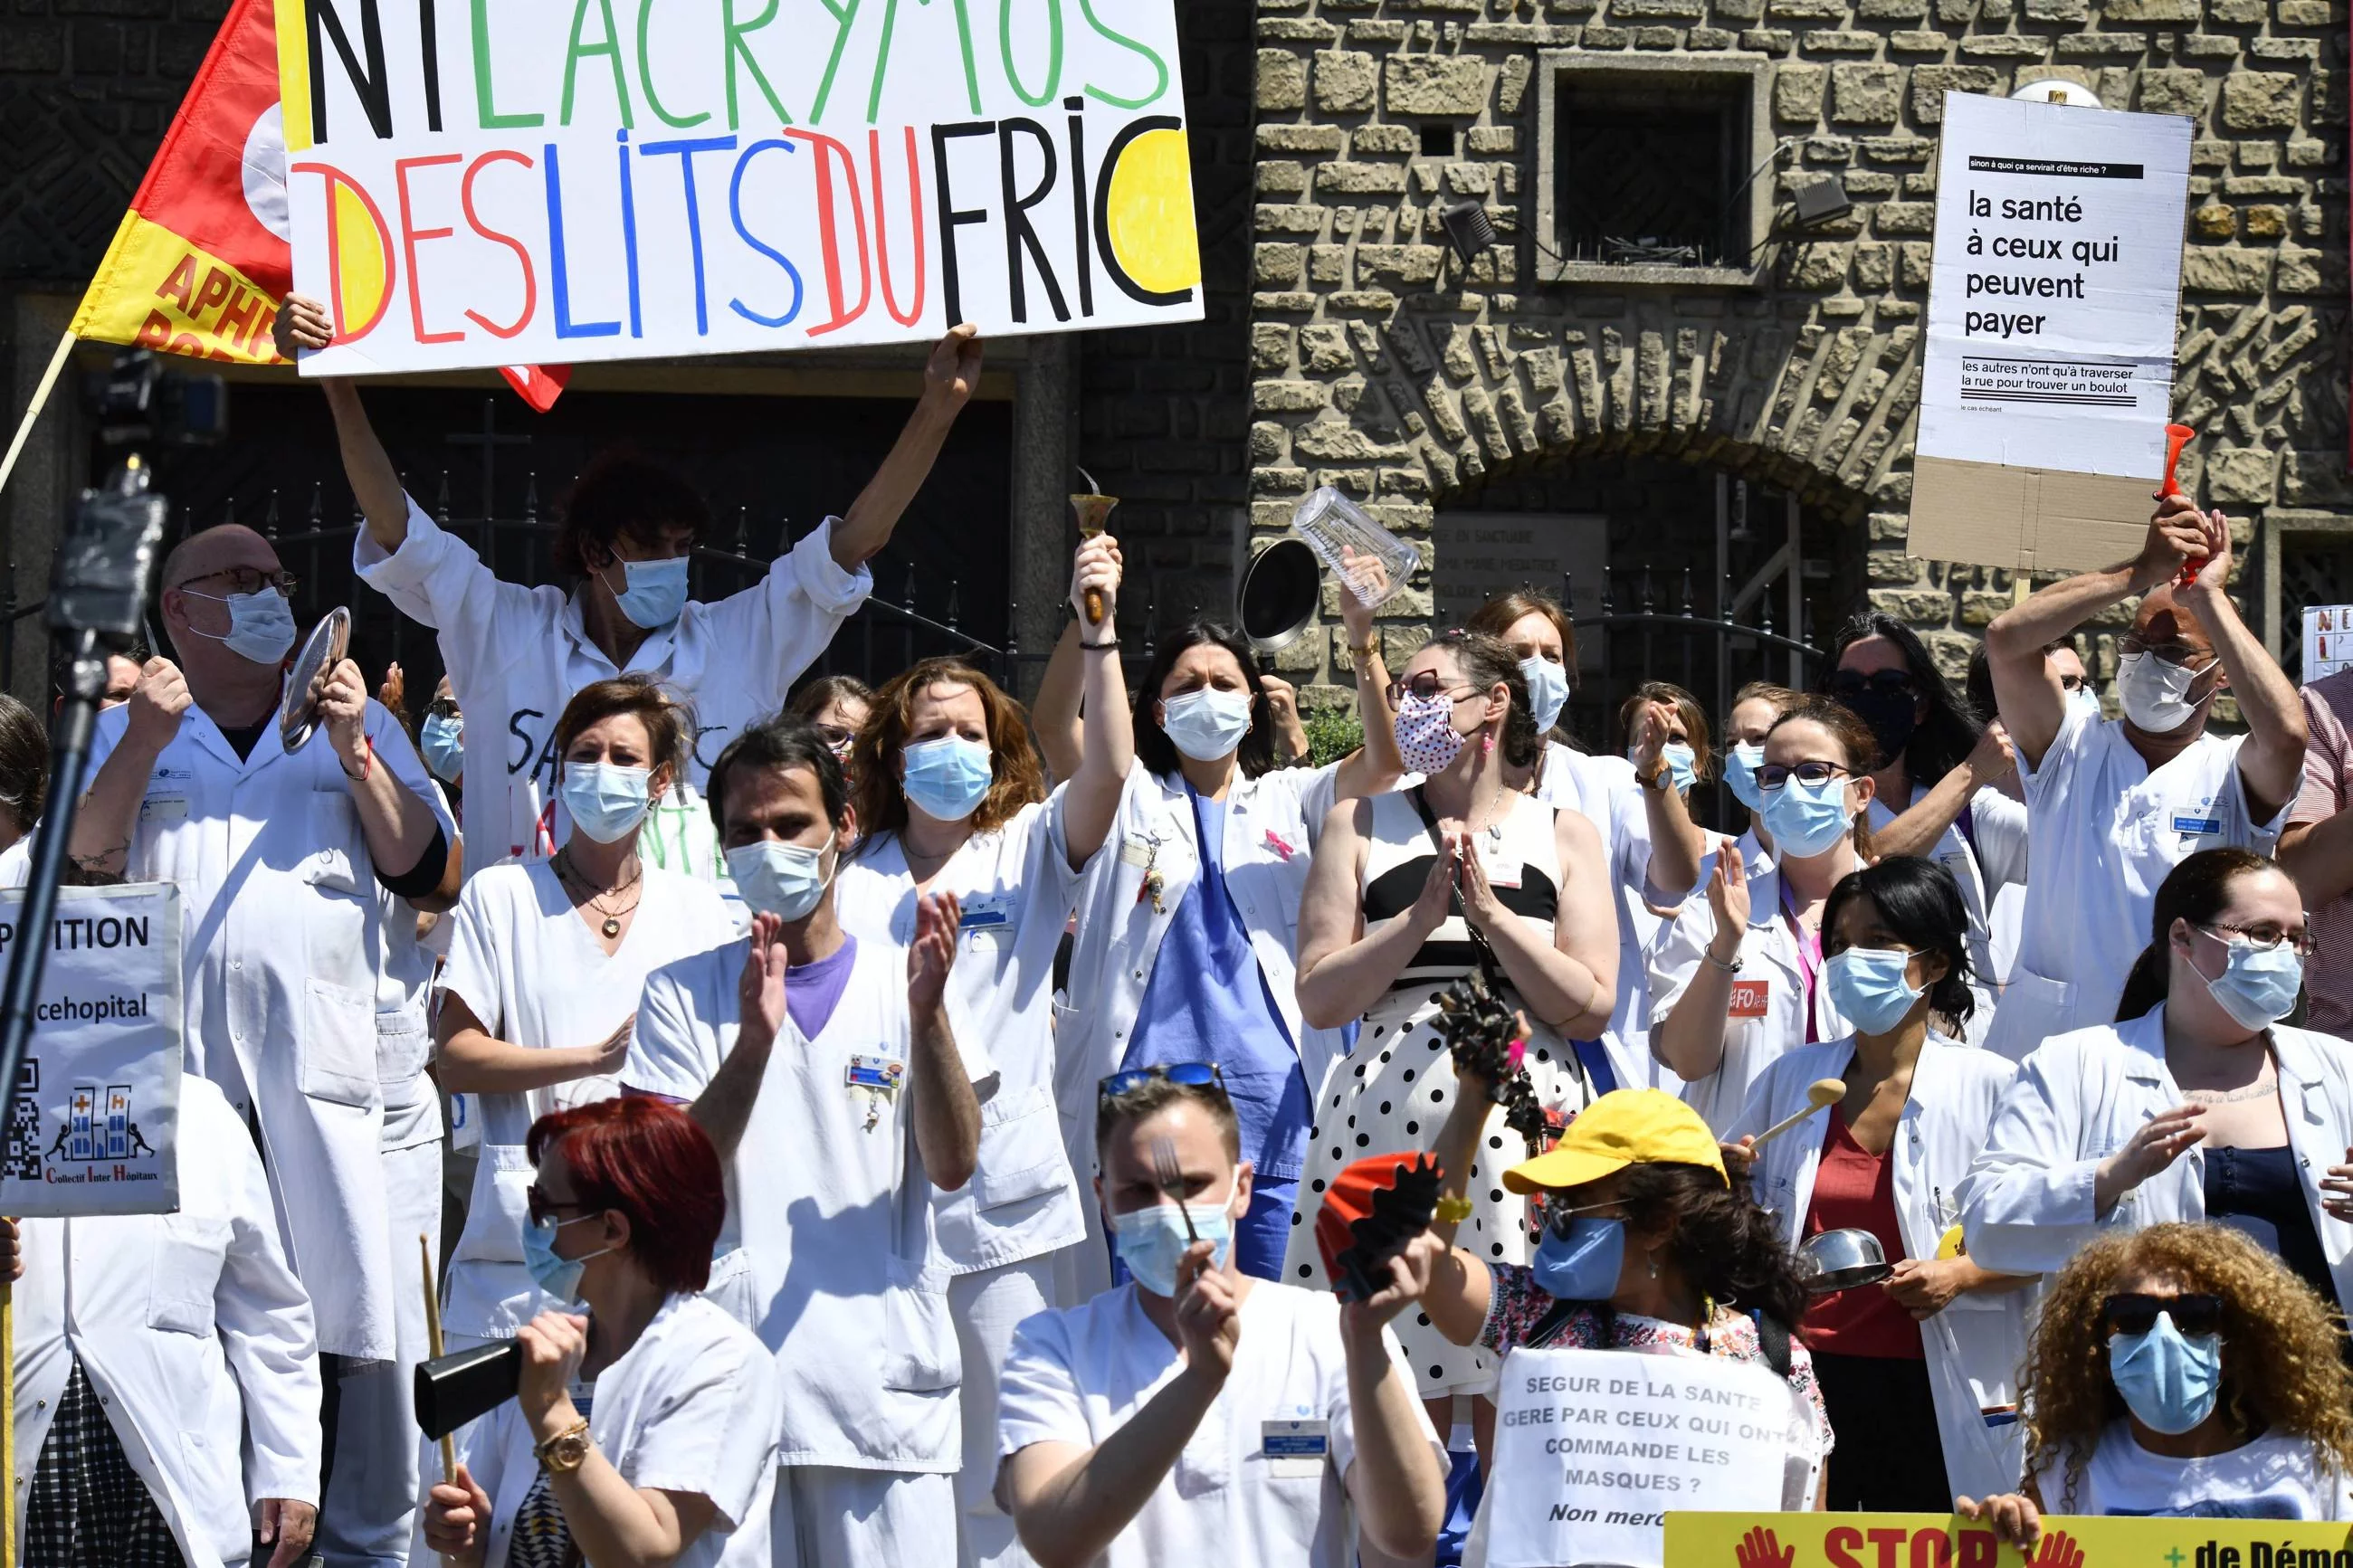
pixel 202 258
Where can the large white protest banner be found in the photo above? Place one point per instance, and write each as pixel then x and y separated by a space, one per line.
pixel 491 182
pixel 94 1126
pixel 2052 300
pixel 1592 1448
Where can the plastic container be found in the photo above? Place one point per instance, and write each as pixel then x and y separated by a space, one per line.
pixel 1380 563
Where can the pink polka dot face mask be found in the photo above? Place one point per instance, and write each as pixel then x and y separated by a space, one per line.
pixel 1426 734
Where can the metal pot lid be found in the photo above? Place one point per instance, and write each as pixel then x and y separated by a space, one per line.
pixel 297 712
pixel 1843 1259
pixel 1279 594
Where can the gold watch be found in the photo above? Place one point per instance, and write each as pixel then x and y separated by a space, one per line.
pixel 564 1453
pixel 1452 1209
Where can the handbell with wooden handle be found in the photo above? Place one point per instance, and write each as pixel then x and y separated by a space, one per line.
pixel 1092 510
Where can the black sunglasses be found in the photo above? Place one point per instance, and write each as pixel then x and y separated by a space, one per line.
pixel 2193 1315
pixel 539 1206
pixel 1199 1075
pixel 1882 682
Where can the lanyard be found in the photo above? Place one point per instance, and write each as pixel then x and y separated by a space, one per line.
pixel 1810 957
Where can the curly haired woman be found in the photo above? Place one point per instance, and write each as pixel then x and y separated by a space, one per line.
pixel 2181 1371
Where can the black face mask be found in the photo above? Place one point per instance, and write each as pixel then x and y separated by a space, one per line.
pixel 1892 716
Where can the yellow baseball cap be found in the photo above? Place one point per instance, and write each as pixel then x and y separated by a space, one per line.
pixel 1629 1127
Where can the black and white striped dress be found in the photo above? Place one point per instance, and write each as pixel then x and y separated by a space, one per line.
pixel 1392 1093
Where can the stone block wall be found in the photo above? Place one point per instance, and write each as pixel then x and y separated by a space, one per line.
pixel 1379 366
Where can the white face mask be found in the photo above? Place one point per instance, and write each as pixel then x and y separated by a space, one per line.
pixel 2156 694
pixel 261 625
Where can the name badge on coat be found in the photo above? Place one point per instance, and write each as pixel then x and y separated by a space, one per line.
pixel 1299 1447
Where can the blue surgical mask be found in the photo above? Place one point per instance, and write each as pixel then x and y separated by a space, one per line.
pixel 2169 1380
pixel 1584 1265
pixel 1152 1241
pixel 781 880
pixel 261 625
pixel 656 592
pixel 2257 987
pixel 442 738
pixel 1740 772
pixel 1547 689
pixel 2086 698
pixel 606 801
pixel 1806 819
pixel 559 1276
pixel 949 777
pixel 1206 724
pixel 1868 988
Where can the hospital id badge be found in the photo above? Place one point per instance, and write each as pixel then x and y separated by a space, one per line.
pixel 1500 867
pixel 2196 825
pixel 878 1073
pixel 1298 1449
pixel 1749 998
pixel 986 916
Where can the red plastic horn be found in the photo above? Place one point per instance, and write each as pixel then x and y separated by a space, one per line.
pixel 1370 1211
pixel 2176 437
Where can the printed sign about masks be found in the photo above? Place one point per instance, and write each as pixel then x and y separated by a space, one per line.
pixel 1945 1540
pixel 1594 1449
pixel 2327 641
pixel 94 1126
pixel 558 180
pixel 2052 305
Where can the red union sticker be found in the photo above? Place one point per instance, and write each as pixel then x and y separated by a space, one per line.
pixel 1748 998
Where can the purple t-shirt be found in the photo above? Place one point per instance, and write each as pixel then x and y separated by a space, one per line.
pixel 813 989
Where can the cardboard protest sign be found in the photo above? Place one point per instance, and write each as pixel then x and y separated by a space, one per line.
pixel 1593 1448
pixel 94 1126
pixel 476 184
pixel 2052 302
pixel 2327 641
pixel 1946 1540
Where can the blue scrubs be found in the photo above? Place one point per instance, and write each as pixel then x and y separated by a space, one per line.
pixel 1207 1001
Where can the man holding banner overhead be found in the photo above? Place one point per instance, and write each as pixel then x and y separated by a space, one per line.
pixel 277 838
pixel 516 654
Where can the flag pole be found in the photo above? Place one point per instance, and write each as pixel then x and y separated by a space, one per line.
pixel 40 400
pixel 8 1418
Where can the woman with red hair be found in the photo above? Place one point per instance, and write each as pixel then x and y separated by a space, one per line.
pixel 636 1430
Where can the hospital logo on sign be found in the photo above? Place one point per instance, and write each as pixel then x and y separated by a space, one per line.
pixel 96 1134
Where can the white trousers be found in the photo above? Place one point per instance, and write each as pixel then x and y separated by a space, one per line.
pixel 986 1307
pixel 370 1515
pixel 826 1517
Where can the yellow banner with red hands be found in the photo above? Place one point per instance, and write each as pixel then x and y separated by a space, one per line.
pixel 1946 1540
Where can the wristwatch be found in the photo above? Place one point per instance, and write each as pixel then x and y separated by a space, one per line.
pixel 564 1453
pixel 1656 781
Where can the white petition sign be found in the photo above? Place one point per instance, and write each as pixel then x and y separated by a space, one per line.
pixel 94 1128
pixel 1593 1447
pixel 2054 288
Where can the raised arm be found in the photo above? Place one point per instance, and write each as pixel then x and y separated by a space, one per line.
pixel 1054 717
pixel 303 324
pixel 100 846
pixel 1688 1038
pixel 1677 844
pixel 723 1109
pixel 950 377
pixel 2029 698
pixel 2317 848
pixel 1374 767
pixel 1344 969
pixel 1917 830
pixel 947 1112
pixel 1397 1483
pixel 2270 761
pixel 397 823
pixel 1107 735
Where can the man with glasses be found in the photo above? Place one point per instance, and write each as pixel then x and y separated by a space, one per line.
pixel 628 530
pixel 290 867
pixel 838 1097
pixel 1197 1415
pixel 2113 806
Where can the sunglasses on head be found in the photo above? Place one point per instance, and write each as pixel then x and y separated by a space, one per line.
pixel 2194 1316
pixel 1200 1075
pixel 1879 682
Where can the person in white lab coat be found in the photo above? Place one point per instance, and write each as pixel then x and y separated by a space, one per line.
pixel 643 1432
pixel 2113 806
pixel 1934 756
pixel 168 1379
pixel 830 1074
pixel 2180 1372
pixel 1188 923
pixel 547 960
pixel 515 655
pixel 1739 979
pixel 2197 1103
pixel 279 858
pixel 951 799
pixel 1919 1372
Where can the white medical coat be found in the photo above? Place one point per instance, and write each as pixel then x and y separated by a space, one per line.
pixel 286 955
pixel 2106 832
pixel 1976 1345
pixel 193 1333
pixel 516 655
pixel 2028 1203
